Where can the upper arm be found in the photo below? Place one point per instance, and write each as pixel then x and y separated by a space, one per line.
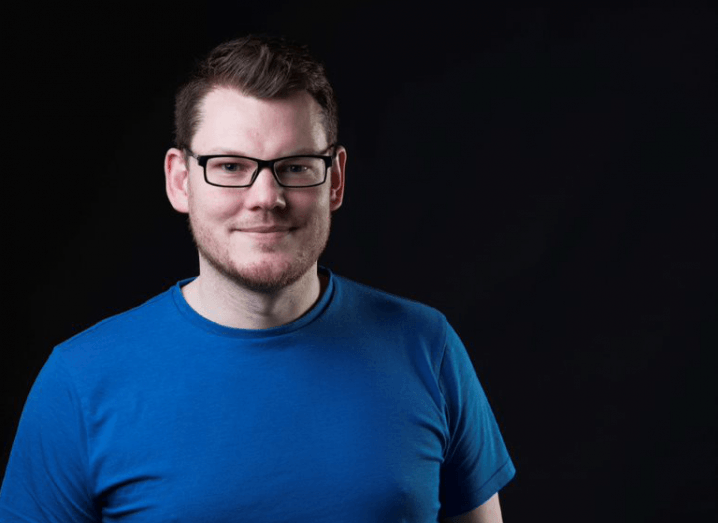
pixel 45 479
pixel 489 512
pixel 477 464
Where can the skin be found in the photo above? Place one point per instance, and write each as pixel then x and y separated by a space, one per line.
pixel 258 246
pixel 489 512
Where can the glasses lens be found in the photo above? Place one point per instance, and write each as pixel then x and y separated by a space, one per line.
pixel 300 171
pixel 230 171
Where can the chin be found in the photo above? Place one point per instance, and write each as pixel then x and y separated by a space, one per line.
pixel 264 276
pixel 269 276
pixel 263 271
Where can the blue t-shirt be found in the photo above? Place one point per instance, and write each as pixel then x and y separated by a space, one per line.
pixel 366 409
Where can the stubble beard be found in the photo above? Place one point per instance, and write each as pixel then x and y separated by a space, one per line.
pixel 262 277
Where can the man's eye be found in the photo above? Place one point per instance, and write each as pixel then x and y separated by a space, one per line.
pixel 231 167
pixel 295 169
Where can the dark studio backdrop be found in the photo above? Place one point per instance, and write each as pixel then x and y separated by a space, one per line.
pixel 543 177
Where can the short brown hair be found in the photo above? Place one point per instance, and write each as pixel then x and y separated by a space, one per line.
pixel 259 66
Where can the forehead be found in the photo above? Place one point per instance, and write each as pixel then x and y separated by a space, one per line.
pixel 231 120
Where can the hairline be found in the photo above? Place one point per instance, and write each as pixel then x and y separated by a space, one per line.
pixel 217 85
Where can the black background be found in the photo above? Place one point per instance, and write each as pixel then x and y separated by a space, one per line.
pixel 543 177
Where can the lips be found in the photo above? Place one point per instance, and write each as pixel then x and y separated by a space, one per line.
pixel 267 234
pixel 266 229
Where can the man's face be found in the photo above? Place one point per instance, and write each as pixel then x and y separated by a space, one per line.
pixel 263 237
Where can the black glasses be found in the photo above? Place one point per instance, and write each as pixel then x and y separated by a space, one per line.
pixel 225 170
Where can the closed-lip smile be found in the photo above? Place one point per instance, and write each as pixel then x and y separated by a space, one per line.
pixel 266 228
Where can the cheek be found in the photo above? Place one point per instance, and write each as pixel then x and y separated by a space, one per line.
pixel 310 202
pixel 311 213
pixel 215 206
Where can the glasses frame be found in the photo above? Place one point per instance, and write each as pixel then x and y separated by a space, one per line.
pixel 202 160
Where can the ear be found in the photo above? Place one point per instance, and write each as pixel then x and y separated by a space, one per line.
pixel 177 180
pixel 336 194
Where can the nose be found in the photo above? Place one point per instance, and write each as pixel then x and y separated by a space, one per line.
pixel 265 192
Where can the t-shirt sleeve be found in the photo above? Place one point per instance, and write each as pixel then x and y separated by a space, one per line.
pixel 46 476
pixel 476 463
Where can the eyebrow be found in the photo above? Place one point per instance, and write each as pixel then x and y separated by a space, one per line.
pixel 298 152
pixel 229 152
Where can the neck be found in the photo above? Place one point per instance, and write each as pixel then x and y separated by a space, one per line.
pixel 228 303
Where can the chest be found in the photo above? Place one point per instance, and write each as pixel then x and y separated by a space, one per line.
pixel 296 441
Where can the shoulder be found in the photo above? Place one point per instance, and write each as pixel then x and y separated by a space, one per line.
pixel 369 312
pixel 380 304
pixel 112 336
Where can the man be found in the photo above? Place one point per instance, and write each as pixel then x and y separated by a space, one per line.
pixel 267 388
